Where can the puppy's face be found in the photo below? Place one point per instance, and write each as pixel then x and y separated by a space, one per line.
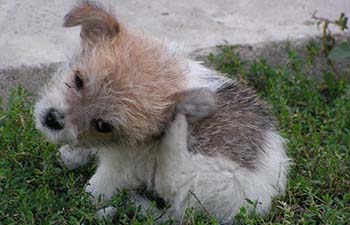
pixel 117 89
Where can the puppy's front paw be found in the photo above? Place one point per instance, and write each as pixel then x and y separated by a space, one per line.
pixel 93 189
pixel 101 188
pixel 72 158
pixel 108 212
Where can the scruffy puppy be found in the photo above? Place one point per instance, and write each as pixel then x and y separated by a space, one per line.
pixel 160 120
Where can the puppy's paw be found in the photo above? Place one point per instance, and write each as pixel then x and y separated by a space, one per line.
pixel 100 187
pixel 72 158
pixel 106 213
pixel 93 189
pixel 197 104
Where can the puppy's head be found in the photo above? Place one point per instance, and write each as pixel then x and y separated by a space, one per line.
pixel 119 87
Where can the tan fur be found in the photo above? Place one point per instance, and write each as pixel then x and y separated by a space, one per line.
pixel 129 81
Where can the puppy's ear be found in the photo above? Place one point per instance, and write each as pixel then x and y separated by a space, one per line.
pixel 96 23
pixel 196 104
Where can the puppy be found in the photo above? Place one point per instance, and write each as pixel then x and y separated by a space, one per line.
pixel 157 119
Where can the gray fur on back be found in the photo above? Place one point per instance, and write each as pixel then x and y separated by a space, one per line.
pixel 236 129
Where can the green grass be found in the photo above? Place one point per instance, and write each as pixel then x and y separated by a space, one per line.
pixel 314 117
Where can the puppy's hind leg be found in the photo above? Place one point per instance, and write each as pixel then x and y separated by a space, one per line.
pixel 174 142
pixel 72 158
pixel 174 175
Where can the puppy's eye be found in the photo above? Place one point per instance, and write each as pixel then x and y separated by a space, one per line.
pixel 102 126
pixel 79 83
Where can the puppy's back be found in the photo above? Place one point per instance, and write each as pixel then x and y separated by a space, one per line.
pixel 236 130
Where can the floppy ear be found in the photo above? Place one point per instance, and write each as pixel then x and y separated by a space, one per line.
pixel 196 104
pixel 96 23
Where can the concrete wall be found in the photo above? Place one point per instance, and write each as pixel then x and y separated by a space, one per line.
pixel 33 42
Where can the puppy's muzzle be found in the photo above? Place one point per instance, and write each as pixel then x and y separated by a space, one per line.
pixel 53 119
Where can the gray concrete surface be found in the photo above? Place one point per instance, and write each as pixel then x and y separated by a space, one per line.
pixel 33 42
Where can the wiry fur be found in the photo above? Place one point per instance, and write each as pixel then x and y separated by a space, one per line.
pixel 183 131
pixel 243 116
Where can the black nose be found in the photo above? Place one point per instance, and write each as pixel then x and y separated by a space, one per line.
pixel 53 119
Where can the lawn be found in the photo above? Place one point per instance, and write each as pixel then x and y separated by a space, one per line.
pixel 314 116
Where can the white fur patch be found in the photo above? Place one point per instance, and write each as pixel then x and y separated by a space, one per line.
pixel 202 77
pixel 52 96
